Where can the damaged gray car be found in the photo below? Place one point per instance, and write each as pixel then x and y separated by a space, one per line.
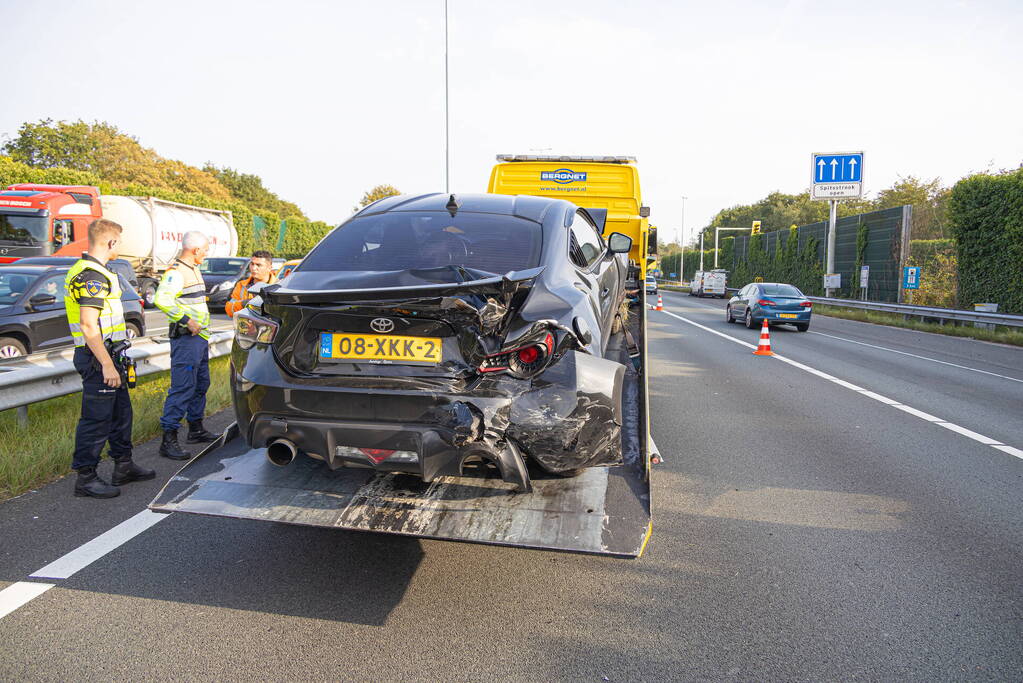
pixel 435 333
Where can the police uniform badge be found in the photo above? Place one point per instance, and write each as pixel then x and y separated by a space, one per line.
pixel 93 288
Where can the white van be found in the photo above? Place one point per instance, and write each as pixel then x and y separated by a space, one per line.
pixel 709 283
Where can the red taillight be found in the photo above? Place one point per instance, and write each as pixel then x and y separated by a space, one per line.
pixel 528 354
pixel 766 302
pixel 522 362
pixel 806 304
pixel 377 455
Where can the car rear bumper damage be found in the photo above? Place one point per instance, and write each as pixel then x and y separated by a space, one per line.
pixel 567 418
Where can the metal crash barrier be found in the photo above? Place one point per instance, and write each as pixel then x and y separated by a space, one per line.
pixel 39 379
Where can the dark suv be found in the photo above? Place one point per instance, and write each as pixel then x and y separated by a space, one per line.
pixel 32 315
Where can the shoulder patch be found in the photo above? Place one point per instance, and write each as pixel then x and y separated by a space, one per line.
pixel 89 285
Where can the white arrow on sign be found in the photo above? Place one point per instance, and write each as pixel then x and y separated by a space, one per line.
pixel 820 169
pixel 834 165
pixel 852 168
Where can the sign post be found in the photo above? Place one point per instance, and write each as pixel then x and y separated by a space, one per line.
pixel 864 279
pixel 835 176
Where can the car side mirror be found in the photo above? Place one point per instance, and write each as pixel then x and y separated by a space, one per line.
pixel 41 299
pixel 618 243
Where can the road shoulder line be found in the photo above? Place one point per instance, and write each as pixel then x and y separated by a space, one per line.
pixel 109 540
pixel 20 593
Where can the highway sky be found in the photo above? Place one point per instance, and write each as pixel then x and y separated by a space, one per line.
pixel 721 102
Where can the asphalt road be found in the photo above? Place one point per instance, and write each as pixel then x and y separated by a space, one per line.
pixel 803 529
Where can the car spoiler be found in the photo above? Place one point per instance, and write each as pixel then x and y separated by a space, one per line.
pixel 499 284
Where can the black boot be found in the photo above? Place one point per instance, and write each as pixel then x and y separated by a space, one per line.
pixel 89 484
pixel 198 434
pixel 127 471
pixel 170 448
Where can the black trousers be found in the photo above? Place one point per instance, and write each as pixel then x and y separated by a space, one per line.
pixel 106 415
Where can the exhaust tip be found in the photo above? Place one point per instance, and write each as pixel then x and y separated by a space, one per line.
pixel 281 452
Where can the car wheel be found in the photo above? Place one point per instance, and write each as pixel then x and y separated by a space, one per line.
pixel 133 330
pixel 728 314
pixel 802 327
pixel 750 324
pixel 149 294
pixel 12 348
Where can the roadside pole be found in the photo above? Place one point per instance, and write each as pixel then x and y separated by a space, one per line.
pixel 681 263
pixel 701 251
pixel 832 229
pixel 447 115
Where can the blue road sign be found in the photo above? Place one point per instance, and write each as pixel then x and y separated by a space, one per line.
pixel 911 277
pixel 837 168
pixel 674 275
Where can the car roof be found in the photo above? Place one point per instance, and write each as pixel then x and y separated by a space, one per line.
pixel 521 206
pixel 29 270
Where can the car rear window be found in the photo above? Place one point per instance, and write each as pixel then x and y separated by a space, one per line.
pixel 405 240
pixel 781 290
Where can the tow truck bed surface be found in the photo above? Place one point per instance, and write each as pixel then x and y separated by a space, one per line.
pixel 603 511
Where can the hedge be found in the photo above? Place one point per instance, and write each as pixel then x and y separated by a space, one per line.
pixel 986 217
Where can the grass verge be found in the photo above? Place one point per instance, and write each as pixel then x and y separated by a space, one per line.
pixel 1000 335
pixel 41 451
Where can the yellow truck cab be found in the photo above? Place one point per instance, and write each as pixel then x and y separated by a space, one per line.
pixel 592 182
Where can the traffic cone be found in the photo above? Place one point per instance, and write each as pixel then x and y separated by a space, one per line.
pixel 765 341
pixel 660 304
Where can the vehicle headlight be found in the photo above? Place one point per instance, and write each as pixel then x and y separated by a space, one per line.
pixel 223 286
pixel 251 329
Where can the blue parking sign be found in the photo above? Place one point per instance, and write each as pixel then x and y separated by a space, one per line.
pixel 911 277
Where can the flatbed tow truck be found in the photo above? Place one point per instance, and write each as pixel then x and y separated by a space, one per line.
pixel 603 511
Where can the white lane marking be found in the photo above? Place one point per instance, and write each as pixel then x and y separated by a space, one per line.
pixel 918 413
pixel 987 441
pixel 20 593
pixel 86 554
pixel 1009 449
pixel 980 438
pixel 913 355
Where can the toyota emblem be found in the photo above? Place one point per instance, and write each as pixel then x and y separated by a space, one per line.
pixel 382 325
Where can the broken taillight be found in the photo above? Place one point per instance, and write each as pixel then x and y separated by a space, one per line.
pixel 522 362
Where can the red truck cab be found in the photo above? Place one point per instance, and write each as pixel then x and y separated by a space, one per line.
pixel 45 220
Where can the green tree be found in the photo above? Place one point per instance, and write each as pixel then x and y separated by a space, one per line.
pixel 929 200
pixel 249 189
pixel 378 192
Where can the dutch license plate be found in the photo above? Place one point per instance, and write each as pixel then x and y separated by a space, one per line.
pixel 380 347
pixel 787 315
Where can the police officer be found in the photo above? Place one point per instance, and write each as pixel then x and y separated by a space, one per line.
pixel 182 296
pixel 92 299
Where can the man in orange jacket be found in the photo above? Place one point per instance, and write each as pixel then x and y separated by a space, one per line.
pixel 260 270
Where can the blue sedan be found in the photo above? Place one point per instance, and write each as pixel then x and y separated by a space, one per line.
pixel 772 301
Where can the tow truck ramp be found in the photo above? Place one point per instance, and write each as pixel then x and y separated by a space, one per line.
pixel 603 511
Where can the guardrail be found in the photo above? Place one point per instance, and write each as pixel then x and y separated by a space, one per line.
pixel 921 312
pixel 55 375
pixel 926 311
